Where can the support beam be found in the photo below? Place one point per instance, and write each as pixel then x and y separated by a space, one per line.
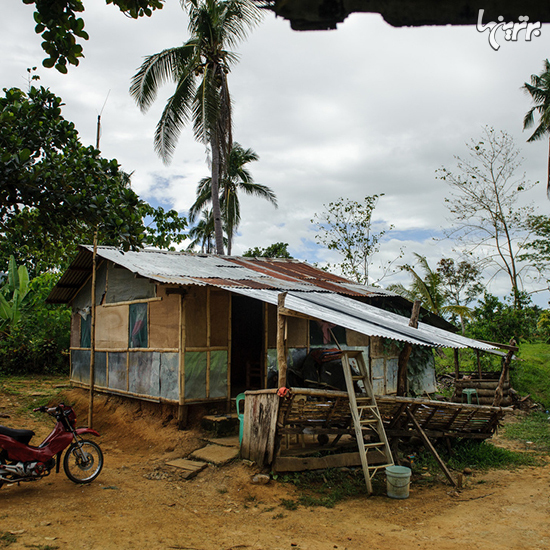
pixel 281 340
pixel 431 448
pixel 403 359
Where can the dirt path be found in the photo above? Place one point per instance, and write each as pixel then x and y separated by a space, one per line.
pixel 221 509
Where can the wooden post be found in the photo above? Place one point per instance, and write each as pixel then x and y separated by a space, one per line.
pixel 430 447
pixel 478 364
pixel 503 375
pixel 457 364
pixel 182 408
pixel 92 336
pixel 281 340
pixel 403 359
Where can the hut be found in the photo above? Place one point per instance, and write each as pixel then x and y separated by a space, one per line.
pixel 185 328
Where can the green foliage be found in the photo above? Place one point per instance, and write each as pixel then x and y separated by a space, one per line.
pixel 539 91
pixel 533 430
pixel 13 294
pixel 6 538
pixel 498 321
pixel 61 192
pixel 276 250
pixel 468 453
pixel 531 375
pixel 347 228
pixel 58 23
pixel 38 343
pixel 484 201
pixel 327 487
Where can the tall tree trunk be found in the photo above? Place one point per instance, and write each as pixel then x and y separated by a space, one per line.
pixel 216 212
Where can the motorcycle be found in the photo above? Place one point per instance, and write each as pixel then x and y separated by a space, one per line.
pixel 20 461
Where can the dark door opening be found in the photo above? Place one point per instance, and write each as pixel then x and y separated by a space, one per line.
pixel 247 344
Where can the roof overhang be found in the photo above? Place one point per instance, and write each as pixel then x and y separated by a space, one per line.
pixel 364 318
pixel 326 14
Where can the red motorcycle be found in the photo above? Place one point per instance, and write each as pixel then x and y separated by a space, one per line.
pixel 20 461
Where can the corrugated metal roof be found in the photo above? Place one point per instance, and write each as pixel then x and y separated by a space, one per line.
pixel 364 318
pixel 182 268
pixel 310 291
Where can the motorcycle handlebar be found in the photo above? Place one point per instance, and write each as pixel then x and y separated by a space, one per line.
pixel 44 409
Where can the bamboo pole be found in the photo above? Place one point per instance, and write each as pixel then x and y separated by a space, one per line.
pixel 281 340
pixel 92 335
pixel 403 359
pixel 182 409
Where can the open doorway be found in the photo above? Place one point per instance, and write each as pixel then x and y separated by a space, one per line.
pixel 247 344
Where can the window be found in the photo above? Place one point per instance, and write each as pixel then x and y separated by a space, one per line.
pixel 137 337
pixel 85 331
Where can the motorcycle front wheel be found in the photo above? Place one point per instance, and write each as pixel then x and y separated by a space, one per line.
pixel 83 461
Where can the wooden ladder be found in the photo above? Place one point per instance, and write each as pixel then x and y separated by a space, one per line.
pixel 369 429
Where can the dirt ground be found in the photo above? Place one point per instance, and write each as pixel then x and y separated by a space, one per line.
pixel 139 503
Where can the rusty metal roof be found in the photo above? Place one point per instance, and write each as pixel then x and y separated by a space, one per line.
pixel 182 268
pixel 310 291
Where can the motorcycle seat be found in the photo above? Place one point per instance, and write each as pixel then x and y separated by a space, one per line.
pixel 22 436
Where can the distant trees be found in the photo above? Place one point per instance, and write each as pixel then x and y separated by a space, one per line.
pixel 347 227
pixel 446 291
pixel 275 250
pixel 484 203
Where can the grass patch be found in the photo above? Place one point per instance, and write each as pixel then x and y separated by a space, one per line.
pixel 326 488
pixel 533 428
pixel 531 375
pixel 471 454
pixel 32 391
pixel 6 538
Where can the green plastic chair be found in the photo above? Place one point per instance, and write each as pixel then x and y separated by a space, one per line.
pixel 240 415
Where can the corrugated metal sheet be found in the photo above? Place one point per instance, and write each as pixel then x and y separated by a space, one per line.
pixel 310 291
pixel 182 268
pixel 365 319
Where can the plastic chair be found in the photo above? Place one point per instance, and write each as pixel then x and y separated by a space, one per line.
pixel 240 415
pixel 469 392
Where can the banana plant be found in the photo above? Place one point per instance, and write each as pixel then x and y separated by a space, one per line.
pixel 13 293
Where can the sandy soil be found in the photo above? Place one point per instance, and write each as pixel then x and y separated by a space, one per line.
pixel 138 502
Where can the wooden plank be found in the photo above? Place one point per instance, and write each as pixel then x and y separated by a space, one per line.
pixel 299 464
pixel 260 421
pixel 431 448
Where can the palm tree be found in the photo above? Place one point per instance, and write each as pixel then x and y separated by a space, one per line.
pixel 539 90
pixel 199 70
pixel 428 287
pixel 202 234
pixel 237 178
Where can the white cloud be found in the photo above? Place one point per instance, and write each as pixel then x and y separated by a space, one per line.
pixel 362 110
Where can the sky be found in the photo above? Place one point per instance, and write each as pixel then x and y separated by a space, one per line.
pixel 365 109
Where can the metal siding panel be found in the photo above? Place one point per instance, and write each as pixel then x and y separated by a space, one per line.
pixel 118 379
pixel 169 367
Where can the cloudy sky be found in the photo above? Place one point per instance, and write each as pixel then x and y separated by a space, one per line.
pixel 365 109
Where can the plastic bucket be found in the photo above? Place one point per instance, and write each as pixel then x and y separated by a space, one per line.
pixel 398 479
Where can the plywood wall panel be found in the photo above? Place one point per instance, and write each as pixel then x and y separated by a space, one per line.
pixel 112 327
pixel 195 317
pixel 219 318
pixel 164 318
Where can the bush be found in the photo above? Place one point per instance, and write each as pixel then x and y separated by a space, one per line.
pixel 38 343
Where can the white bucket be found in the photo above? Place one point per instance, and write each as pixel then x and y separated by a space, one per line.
pixel 398 479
